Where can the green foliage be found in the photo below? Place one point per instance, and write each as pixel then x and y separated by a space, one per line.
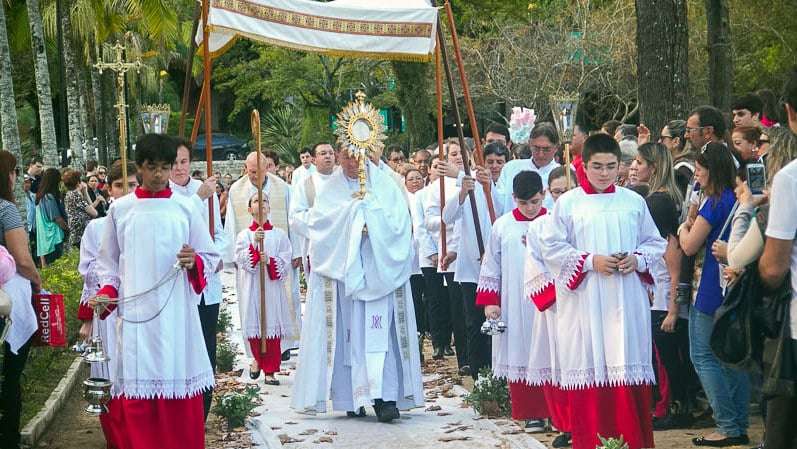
pixel 490 395
pixel 235 406
pixel 224 323
pixel 278 132
pixel 315 127
pixel 612 443
pixel 414 82
pixel 225 353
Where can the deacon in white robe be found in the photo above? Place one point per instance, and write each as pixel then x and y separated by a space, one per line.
pixel 599 247
pixel 366 351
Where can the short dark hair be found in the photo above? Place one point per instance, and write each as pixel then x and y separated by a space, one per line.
pixel 628 131
pixel 790 90
pixel 272 155
pixel 717 158
pixel 394 149
pixel 526 184
pixel 522 151
pixel 71 179
pixel 611 126
pixel 559 172
pixel 314 148
pixel 115 171
pixel 498 128
pixel 35 160
pixel 308 150
pixel 711 116
pixel 600 143
pixel 498 149
pixel 545 129
pixel 91 165
pixel 156 148
pixel 750 101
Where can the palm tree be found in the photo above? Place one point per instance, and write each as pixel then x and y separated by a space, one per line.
pixel 46 120
pixel 76 132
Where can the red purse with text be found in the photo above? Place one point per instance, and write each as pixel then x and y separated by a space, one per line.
pixel 51 318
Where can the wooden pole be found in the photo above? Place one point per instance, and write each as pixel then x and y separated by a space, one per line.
pixel 441 42
pixel 187 79
pixel 567 164
pixel 438 85
pixel 198 115
pixel 208 118
pixel 474 128
pixel 262 265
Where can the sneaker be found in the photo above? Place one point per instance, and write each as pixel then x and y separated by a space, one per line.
pixel 535 425
pixel 286 355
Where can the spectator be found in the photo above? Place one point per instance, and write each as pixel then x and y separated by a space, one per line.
pixel 422 160
pixel 727 389
pixel 628 152
pixel 15 349
pixel 223 196
pixel 228 180
pixel 610 127
pixel 197 174
pixel 35 168
pixel 747 110
pixel 289 168
pixel 91 168
pixel 395 157
pixel 95 193
pixel 101 177
pixel 745 143
pixel 30 209
pixel 50 218
pixel 626 132
pixel 523 151
pixel 771 111
pixel 497 133
pixel 673 137
pixel 780 257
pixel 79 207
pixel 705 124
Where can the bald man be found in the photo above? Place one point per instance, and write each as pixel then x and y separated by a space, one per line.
pixel 238 218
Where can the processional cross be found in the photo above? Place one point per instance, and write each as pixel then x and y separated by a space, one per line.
pixel 121 67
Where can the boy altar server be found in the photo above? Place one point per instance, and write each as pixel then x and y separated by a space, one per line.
pixel 264 244
pixel 500 292
pixel 160 364
pixel 598 248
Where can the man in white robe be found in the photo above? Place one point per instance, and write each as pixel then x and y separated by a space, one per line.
pixel 366 351
pixel 599 247
pixel 303 191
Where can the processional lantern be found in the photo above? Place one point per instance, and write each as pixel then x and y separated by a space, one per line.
pixel 564 109
pixel 361 132
pixel 155 118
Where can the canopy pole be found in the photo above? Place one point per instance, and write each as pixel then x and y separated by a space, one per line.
pixel 198 115
pixel 438 85
pixel 208 118
pixel 188 65
pixel 255 123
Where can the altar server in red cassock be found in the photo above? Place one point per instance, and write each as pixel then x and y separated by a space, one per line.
pixel 264 244
pixel 500 292
pixel 160 367
pixel 598 247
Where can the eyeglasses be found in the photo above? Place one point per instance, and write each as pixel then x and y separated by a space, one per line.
pixel 536 149
pixel 397 159
pixel 662 137
pixel 690 130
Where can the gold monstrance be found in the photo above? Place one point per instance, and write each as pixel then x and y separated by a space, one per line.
pixel 361 132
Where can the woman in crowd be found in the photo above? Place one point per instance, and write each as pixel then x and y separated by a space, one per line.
pixel 728 390
pixel 94 193
pixel 79 208
pixel 50 218
pixel 14 237
pixel 223 196
pixel 745 143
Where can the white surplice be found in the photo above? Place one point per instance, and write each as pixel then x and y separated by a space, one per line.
pixel 367 347
pixel 160 352
pixel 432 220
pixel 603 330
pixel 279 321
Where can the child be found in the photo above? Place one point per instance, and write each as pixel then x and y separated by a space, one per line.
pixel 500 292
pixel 539 290
pixel 253 246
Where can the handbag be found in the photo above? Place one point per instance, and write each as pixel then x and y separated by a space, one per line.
pixel 51 319
pixel 48 234
pixel 781 378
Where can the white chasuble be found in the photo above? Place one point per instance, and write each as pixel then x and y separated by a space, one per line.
pixel 603 333
pixel 361 253
pixel 160 352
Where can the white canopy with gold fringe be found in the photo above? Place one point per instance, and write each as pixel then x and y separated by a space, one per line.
pixel 395 29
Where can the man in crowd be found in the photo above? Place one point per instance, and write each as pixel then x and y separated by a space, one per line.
pixel 395 157
pixel 363 349
pixel 422 160
pixel 495 157
pixel 705 124
pixel 306 157
pixel 203 196
pixel 747 111
pixel 497 133
pixel 35 169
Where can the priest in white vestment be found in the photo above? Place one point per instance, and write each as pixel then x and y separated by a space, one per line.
pixel 543 142
pixel 599 247
pixel 363 347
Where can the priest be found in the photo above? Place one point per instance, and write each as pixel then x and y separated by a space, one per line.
pixel 363 349
pixel 598 247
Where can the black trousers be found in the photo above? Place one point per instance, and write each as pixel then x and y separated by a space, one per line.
pixel 209 317
pixel 674 353
pixel 479 345
pixel 11 395
pixel 437 304
pixel 458 325
pixel 781 431
pixel 421 317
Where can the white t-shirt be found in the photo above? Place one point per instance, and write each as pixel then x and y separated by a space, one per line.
pixel 783 224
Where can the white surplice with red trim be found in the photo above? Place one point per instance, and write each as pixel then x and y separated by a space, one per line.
pixel 501 284
pixel 159 352
pixel 277 247
pixel 603 333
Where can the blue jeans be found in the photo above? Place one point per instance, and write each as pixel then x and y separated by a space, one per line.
pixel 728 390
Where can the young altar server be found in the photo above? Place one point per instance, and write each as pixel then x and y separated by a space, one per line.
pixel 258 244
pixel 500 292
pixel 540 292
pixel 598 247
pixel 155 258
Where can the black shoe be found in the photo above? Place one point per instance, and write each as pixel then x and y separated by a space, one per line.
pixel 464 370
pixel 448 351
pixel 562 440
pixel 672 421
pixel 725 442
pixel 387 411
pixel 439 354
pixel 360 413
pixel 286 355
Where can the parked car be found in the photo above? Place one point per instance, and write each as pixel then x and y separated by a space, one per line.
pixel 226 147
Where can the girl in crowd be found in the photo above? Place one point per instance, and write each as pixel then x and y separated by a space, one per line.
pixel 50 218
pixel 78 208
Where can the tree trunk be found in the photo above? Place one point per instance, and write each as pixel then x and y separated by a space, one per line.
pixel 416 105
pixel 98 109
pixel 76 133
pixel 8 108
pixel 49 148
pixel 662 61
pixel 720 62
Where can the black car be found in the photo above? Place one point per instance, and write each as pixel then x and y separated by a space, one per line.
pixel 226 147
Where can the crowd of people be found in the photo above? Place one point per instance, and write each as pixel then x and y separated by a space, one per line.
pixel 610 275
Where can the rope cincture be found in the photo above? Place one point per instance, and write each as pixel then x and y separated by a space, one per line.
pixel 170 276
